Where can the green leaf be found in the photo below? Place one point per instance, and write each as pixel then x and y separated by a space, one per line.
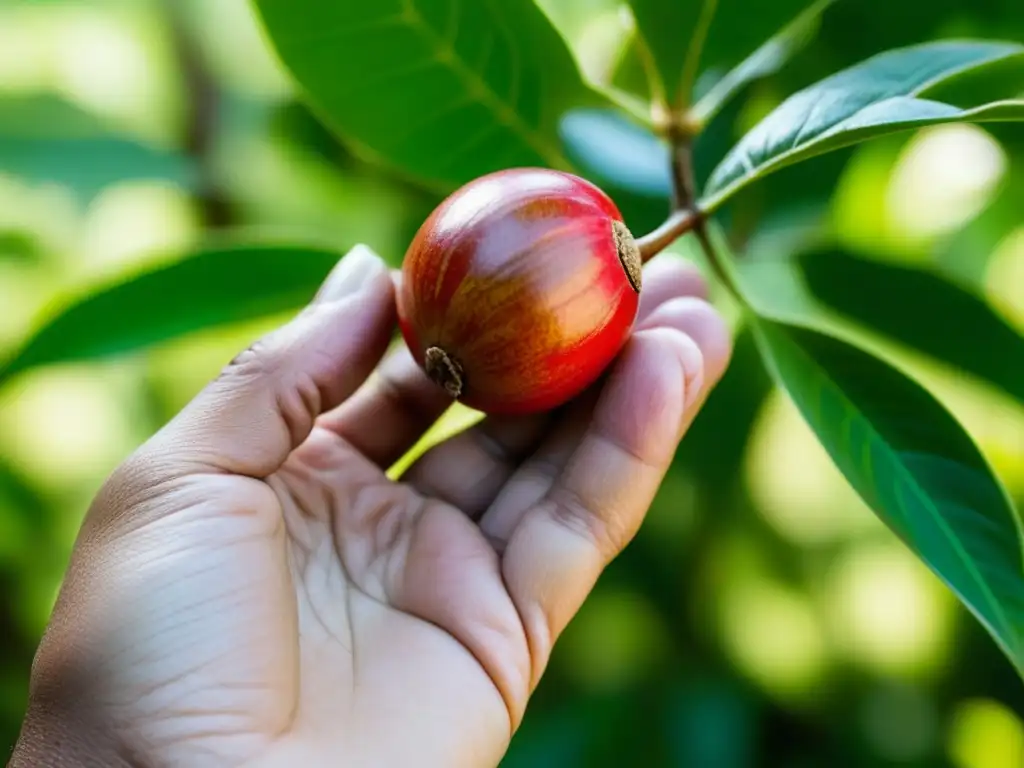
pixel 924 312
pixel 739 28
pixel 914 465
pixel 444 90
pixel 19 245
pixel 46 139
pixel 668 29
pixel 210 287
pixel 22 512
pixel 687 37
pixel 881 95
pixel 764 61
pixel 1001 79
pixel 89 165
pixel 47 116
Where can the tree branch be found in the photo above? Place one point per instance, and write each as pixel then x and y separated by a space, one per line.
pixel 683 186
pixel 684 205
pixel 204 109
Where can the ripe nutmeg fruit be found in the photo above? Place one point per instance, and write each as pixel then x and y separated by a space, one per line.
pixel 519 290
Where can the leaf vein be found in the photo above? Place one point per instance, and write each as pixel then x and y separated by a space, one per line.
pixel 482 91
pixel 913 485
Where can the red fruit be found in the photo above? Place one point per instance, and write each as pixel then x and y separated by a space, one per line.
pixel 519 290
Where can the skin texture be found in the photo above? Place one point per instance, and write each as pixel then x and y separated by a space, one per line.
pixel 517 278
pixel 249 589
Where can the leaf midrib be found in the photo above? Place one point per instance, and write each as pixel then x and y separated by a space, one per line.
pixel 757 171
pixel 479 89
pixel 917 490
pixel 716 199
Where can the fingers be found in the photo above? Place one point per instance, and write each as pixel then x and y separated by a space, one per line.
pixel 390 412
pixel 668 277
pixel 467 470
pixel 470 469
pixel 265 402
pixel 702 323
pixel 690 315
pixel 607 478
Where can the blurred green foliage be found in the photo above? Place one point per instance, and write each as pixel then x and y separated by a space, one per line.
pixel 763 616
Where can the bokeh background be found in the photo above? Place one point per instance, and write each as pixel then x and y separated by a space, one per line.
pixel 763 616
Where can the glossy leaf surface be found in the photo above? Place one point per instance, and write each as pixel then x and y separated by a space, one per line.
pixel 914 465
pixel 686 37
pixel 885 94
pixel 443 90
pixel 768 58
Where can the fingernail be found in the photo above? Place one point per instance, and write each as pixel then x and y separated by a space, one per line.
pixel 357 269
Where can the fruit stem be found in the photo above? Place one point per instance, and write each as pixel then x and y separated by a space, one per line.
pixel 444 371
pixel 686 216
pixel 675 226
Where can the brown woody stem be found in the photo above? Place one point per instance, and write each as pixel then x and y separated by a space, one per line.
pixel 683 186
pixel 684 193
pixel 685 217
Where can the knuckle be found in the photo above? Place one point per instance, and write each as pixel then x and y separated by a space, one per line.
pixel 492 446
pixel 258 359
pixel 299 405
pixel 579 518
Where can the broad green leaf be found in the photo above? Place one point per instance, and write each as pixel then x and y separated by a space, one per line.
pixel 668 30
pixel 598 36
pixel 688 37
pixel 924 312
pixel 740 28
pixel 765 60
pixel 210 287
pixel 46 139
pixel 573 17
pixel 914 465
pixel 885 94
pixel 443 90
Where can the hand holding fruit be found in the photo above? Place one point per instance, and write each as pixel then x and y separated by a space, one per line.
pixel 251 589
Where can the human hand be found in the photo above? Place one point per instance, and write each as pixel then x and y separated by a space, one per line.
pixel 250 589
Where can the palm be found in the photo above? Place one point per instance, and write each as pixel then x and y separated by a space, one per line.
pixel 325 590
pixel 374 566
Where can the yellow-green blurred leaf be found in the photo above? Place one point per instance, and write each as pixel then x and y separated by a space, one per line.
pixel 213 286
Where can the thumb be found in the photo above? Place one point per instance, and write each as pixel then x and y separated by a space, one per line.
pixel 265 402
